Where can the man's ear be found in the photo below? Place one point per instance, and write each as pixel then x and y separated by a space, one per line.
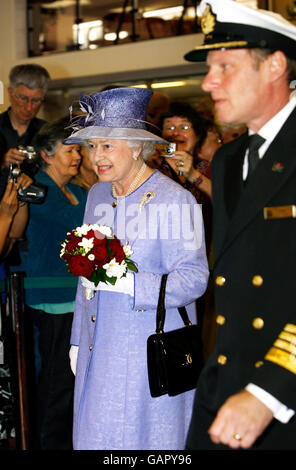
pixel 277 64
pixel 10 91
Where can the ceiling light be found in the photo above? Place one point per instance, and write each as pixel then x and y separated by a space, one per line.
pixel 64 4
pixel 164 13
pixel 140 86
pixel 88 31
pixel 168 84
pixel 113 36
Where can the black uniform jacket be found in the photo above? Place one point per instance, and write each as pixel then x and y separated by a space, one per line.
pixel 255 285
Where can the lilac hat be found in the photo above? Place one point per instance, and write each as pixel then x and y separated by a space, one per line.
pixel 118 113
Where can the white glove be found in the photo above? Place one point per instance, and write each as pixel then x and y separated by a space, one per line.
pixel 125 285
pixel 73 353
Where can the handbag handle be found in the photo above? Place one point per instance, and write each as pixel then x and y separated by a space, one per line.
pixel 160 313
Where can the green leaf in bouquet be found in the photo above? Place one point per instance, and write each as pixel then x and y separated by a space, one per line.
pixel 110 254
pixel 97 276
pixel 131 265
pixel 111 280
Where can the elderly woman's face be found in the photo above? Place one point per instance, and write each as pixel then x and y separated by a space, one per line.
pixel 179 130
pixel 66 160
pixel 112 159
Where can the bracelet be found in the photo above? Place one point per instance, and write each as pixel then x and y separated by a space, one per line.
pixel 198 180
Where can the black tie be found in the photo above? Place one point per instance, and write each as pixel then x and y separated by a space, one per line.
pixel 255 142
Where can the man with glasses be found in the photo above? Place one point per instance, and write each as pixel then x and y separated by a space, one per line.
pixel 19 124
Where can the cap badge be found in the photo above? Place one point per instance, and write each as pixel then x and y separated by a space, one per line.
pixel 207 21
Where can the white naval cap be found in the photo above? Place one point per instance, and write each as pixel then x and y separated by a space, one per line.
pixel 230 24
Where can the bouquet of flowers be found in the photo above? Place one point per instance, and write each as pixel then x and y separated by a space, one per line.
pixel 95 253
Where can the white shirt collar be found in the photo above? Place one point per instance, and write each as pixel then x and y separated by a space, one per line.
pixel 270 130
pixel 273 126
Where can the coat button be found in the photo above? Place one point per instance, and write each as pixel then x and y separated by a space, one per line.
pixel 220 320
pixel 222 359
pixel 93 318
pixel 258 323
pixel 220 280
pixel 257 280
pixel 90 347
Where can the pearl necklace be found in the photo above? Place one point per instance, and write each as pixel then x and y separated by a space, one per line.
pixel 134 184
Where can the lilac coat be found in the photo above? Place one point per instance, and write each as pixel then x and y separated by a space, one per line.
pixel 113 408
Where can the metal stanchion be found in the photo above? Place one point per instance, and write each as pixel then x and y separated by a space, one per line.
pixel 180 23
pixel 16 307
pixel 134 11
pixel 20 339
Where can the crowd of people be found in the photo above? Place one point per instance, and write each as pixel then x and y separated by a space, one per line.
pixel 223 246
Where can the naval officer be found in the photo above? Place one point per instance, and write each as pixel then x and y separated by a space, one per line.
pixel 246 395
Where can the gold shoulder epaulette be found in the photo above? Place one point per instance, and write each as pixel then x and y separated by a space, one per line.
pixel 283 351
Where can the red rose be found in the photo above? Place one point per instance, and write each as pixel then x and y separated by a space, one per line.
pixel 99 238
pixel 72 236
pixel 81 266
pixel 90 234
pixel 66 257
pixel 101 254
pixel 72 244
pixel 117 250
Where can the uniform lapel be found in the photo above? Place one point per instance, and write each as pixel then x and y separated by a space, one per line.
pixel 227 172
pixel 233 183
pixel 265 183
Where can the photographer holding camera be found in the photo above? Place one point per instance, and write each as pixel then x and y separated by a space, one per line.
pixel 13 213
pixel 19 124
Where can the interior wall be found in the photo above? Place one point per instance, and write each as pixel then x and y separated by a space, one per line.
pixel 127 58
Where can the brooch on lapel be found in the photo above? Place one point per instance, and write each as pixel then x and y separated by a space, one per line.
pixel 146 198
pixel 278 167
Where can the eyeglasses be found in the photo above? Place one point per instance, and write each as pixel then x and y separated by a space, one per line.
pixel 181 128
pixel 24 99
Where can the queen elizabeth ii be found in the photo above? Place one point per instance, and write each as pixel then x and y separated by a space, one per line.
pixel 162 223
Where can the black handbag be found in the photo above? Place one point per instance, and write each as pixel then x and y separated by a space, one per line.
pixel 174 358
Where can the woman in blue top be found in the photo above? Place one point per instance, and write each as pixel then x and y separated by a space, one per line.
pixel 52 308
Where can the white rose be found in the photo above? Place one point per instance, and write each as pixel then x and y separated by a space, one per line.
pixel 62 252
pixel 114 269
pixel 80 231
pixel 105 230
pixel 87 244
pixel 127 250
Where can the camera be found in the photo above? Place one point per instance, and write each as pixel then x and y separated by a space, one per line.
pixel 29 152
pixel 167 150
pixel 30 163
pixel 35 193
